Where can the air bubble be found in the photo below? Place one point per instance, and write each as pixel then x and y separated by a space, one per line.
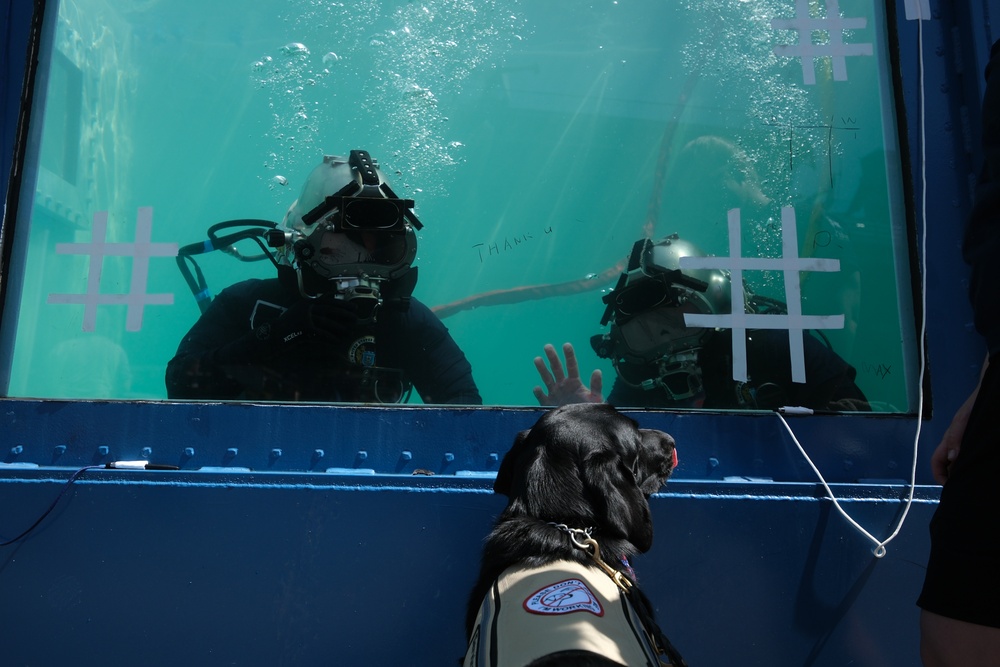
pixel 330 58
pixel 279 180
pixel 295 48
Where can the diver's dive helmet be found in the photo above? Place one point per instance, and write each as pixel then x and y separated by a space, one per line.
pixel 648 342
pixel 349 234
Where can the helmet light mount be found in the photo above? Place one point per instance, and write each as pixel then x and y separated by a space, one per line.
pixel 370 205
pixel 354 240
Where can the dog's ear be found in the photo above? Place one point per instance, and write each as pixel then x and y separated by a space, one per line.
pixel 619 504
pixel 505 475
pixel 620 477
pixel 539 473
pixel 657 460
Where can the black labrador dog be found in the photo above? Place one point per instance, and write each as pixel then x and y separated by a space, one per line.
pixel 555 586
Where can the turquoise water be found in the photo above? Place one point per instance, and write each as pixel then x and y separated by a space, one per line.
pixel 539 140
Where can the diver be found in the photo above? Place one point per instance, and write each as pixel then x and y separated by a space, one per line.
pixel 661 362
pixel 339 322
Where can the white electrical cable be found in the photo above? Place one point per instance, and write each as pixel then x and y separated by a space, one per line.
pixel 880 550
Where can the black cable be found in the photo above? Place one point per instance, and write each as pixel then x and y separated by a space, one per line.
pixel 267 254
pixel 196 279
pixel 198 286
pixel 55 502
pixel 242 222
pixel 225 243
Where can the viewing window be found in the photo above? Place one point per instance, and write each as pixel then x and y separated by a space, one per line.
pixel 703 197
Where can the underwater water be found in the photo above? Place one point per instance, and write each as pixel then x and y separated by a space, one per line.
pixel 539 141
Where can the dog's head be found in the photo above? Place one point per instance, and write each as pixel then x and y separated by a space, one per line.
pixel 588 465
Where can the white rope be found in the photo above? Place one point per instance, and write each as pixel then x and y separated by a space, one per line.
pixel 880 550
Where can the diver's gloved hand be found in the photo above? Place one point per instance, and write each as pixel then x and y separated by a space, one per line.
pixel 325 319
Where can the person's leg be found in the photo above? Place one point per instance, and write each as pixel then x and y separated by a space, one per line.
pixel 946 642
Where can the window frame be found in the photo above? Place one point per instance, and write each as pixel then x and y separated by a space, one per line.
pixel 721 445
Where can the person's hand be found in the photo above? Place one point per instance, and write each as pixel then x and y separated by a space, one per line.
pixel 947 450
pixel 565 388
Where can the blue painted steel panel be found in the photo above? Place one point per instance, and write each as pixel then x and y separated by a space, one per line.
pixel 441 441
pixel 214 568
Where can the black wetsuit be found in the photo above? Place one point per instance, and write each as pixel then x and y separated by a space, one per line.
pixel 411 345
pixel 829 379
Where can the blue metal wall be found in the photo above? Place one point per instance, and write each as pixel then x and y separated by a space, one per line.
pixel 299 535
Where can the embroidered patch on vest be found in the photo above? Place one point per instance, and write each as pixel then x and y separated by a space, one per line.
pixel 362 352
pixel 564 597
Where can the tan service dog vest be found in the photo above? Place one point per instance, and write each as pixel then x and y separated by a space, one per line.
pixel 566 605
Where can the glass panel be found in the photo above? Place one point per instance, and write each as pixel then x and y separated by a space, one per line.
pixel 752 143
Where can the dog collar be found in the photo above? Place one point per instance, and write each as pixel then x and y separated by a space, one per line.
pixel 578 536
pixel 582 540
